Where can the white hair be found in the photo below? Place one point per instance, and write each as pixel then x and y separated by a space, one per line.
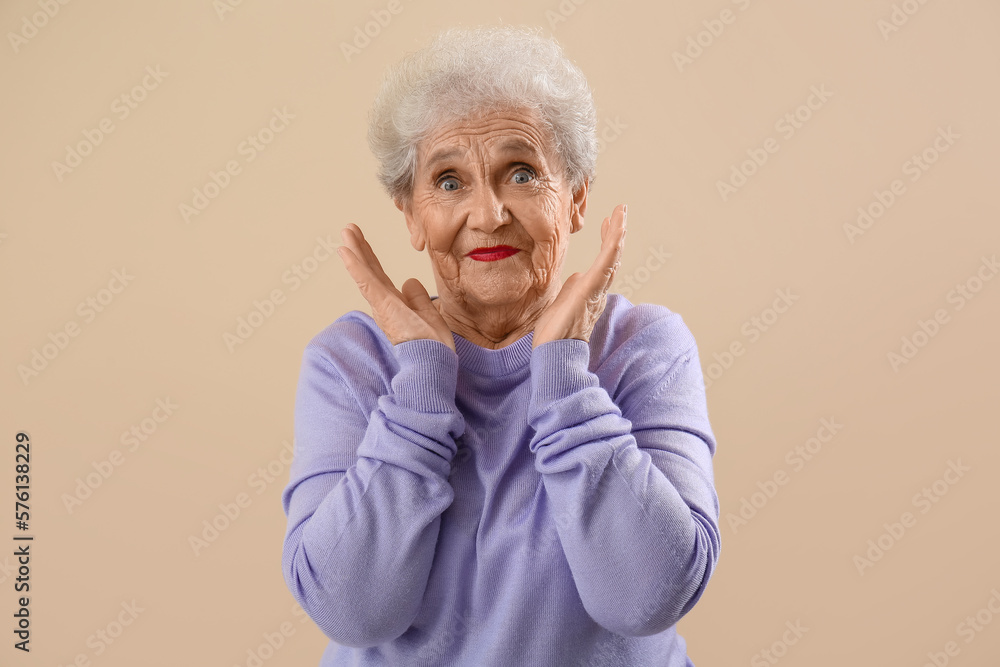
pixel 467 71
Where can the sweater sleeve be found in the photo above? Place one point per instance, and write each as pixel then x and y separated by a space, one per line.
pixel 629 479
pixel 366 491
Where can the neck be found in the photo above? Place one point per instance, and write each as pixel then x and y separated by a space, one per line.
pixel 492 327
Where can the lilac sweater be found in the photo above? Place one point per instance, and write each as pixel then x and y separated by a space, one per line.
pixel 503 507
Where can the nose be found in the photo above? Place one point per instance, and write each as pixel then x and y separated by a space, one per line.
pixel 487 212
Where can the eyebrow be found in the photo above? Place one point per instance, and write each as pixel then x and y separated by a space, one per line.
pixel 443 155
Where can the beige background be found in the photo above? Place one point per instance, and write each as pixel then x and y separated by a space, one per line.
pixel 671 133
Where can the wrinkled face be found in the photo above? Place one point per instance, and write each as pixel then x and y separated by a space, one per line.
pixel 491 205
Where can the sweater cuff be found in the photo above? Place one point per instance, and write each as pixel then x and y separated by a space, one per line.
pixel 559 368
pixel 427 376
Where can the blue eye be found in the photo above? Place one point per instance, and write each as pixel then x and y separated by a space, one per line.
pixel 523 172
pixel 450 180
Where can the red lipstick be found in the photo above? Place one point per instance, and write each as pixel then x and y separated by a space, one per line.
pixel 493 253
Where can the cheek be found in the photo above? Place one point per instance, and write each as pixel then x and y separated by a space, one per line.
pixel 546 219
pixel 437 228
pixel 441 235
pixel 442 239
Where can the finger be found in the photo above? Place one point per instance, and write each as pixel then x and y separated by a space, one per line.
pixel 571 282
pixel 371 287
pixel 356 240
pixel 602 272
pixel 358 270
pixel 417 298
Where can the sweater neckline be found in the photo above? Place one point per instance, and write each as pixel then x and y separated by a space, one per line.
pixel 494 363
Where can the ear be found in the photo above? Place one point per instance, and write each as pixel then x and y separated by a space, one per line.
pixel 417 238
pixel 578 207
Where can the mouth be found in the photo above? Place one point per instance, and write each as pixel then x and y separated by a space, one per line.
pixel 493 253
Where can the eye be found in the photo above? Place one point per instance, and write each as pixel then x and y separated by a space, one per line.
pixel 449 184
pixel 523 175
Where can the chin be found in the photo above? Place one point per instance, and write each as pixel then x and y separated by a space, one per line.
pixel 497 293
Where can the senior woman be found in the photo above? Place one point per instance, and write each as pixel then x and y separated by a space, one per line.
pixel 519 470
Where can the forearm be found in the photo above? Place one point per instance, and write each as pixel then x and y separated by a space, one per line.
pixel 359 565
pixel 361 540
pixel 638 525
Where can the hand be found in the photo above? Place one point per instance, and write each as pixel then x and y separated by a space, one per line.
pixel 402 316
pixel 582 298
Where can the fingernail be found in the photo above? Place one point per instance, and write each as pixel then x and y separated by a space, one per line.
pixel 624 209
